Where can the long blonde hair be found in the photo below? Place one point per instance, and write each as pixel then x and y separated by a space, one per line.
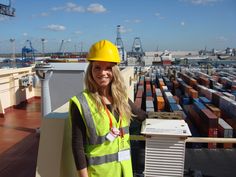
pixel 118 91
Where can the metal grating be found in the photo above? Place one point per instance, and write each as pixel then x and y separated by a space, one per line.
pixel 164 156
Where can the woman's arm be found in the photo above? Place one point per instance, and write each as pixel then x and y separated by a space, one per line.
pixel 78 140
pixel 140 114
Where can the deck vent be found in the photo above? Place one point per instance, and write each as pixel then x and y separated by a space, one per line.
pixel 165 147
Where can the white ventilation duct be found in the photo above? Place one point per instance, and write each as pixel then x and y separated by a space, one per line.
pixel 165 147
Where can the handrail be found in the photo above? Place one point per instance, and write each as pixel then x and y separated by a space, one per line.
pixel 210 140
pixel 192 139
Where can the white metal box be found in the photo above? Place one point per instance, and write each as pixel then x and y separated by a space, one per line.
pixel 165 147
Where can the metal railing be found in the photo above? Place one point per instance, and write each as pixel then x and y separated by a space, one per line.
pixel 192 139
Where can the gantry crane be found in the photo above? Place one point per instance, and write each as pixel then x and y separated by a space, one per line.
pixel 7 10
pixel 120 45
pixel 60 49
pixel 28 50
pixel 137 50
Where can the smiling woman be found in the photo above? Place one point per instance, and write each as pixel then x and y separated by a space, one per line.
pixel 102 73
pixel 101 116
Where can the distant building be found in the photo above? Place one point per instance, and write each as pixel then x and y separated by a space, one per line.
pixel 229 51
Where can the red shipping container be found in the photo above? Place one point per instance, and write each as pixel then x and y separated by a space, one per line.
pixel 139 94
pixel 233 88
pixel 175 84
pixel 138 102
pixel 150 98
pixel 212 132
pixel 209 118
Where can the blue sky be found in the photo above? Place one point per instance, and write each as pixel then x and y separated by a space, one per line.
pixel 162 24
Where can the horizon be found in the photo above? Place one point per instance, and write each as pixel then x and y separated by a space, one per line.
pixel 179 25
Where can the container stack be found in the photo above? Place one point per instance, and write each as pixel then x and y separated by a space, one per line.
pixel 206 101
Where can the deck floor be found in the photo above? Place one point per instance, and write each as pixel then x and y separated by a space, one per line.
pixel 19 140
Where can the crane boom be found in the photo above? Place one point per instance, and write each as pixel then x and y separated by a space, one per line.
pixel 60 49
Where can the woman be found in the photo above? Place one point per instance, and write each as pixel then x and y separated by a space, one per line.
pixel 101 115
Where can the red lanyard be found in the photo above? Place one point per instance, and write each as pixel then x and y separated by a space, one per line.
pixel 110 120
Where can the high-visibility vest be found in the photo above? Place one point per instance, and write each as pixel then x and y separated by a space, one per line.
pixel 105 158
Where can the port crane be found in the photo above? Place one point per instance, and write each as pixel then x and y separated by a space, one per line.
pixel 60 49
pixel 28 50
pixel 137 49
pixel 120 45
pixel 7 10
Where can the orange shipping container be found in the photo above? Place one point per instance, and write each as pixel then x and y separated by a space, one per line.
pixel 160 103
pixel 193 82
pixel 161 83
pixel 193 93
pixel 214 109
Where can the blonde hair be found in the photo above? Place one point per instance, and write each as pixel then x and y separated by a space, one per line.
pixel 118 91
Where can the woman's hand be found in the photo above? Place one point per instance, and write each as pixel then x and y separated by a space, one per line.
pixel 83 172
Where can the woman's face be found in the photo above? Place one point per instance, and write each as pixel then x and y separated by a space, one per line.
pixel 102 73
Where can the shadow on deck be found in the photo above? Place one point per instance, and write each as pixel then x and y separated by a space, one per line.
pixel 19 140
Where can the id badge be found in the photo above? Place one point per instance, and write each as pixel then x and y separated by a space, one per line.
pixel 111 136
pixel 124 155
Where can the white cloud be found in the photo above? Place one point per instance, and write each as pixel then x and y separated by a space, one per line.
pixel 57 8
pixel 3 18
pixel 159 15
pixel 71 7
pixel 221 39
pixel 202 2
pixel 133 21
pixel 25 34
pixel 182 23
pixel 124 30
pixel 44 14
pixel 137 21
pixel 54 27
pixel 96 8
pixel 78 32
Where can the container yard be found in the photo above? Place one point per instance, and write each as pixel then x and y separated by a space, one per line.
pixel 205 101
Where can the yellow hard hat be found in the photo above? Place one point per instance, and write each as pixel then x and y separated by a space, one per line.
pixel 104 50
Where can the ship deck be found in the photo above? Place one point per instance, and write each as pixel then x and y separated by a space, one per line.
pixel 19 140
pixel 19 143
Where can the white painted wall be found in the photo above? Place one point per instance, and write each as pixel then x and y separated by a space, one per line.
pixel 11 93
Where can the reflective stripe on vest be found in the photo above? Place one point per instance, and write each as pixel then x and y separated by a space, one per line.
pixel 103 159
pixel 94 138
